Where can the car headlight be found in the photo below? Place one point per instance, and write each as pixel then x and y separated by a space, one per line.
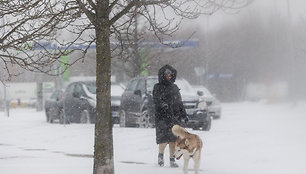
pixel 202 105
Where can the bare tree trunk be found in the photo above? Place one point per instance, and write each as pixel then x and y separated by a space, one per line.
pixel 103 155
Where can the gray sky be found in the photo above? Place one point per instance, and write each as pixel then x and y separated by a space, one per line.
pixel 261 8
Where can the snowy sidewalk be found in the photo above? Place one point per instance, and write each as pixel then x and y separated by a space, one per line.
pixel 250 138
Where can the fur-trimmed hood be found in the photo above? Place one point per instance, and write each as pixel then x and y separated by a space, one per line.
pixel 162 77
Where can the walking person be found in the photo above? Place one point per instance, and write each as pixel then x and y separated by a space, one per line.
pixel 169 110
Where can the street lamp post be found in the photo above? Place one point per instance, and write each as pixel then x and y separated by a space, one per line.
pixel 6 102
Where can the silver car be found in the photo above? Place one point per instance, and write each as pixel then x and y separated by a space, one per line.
pixel 213 104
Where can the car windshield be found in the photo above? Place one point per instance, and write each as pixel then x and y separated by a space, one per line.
pixel 185 87
pixel 150 83
pixel 91 87
pixel 116 88
pixel 206 92
pixel 55 94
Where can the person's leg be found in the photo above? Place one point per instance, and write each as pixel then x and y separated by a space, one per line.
pixel 172 150
pixel 161 149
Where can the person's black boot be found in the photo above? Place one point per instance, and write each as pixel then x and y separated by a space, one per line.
pixel 172 163
pixel 160 159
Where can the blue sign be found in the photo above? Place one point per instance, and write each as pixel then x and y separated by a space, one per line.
pixel 166 44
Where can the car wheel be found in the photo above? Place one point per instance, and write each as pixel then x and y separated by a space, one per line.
pixel 85 117
pixel 62 118
pixel 217 117
pixel 196 128
pixel 207 126
pixel 47 116
pixel 122 118
pixel 145 120
pixel 51 113
pixel 50 120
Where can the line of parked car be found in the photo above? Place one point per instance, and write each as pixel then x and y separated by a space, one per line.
pixel 78 103
pixel 132 106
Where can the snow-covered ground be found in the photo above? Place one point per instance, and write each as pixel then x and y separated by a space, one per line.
pixel 250 138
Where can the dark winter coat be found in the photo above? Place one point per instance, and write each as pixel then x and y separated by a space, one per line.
pixel 169 109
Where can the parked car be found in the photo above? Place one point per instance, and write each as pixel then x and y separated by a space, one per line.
pixel 116 92
pixel 31 102
pixel 196 107
pixel 137 107
pixel 213 104
pixel 2 104
pixel 53 108
pixel 79 101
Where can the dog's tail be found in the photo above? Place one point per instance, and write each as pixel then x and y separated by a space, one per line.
pixel 179 131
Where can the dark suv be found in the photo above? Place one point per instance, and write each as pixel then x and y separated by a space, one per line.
pixel 137 107
pixel 79 101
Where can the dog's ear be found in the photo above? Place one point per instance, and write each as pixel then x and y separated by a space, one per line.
pixel 186 142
